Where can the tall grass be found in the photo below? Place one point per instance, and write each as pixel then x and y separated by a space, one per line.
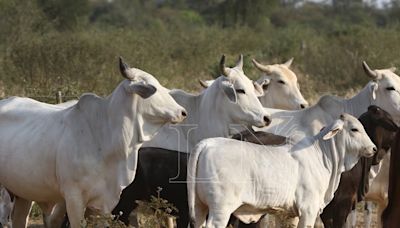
pixel 36 59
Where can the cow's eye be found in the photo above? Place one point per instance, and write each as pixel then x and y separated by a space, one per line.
pixel 240 91
pixel 390 88
pixel 282 82
pixel 354 130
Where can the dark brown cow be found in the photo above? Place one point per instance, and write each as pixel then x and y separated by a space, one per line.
pixel 391 215
pixel 354 183
pixel 167 169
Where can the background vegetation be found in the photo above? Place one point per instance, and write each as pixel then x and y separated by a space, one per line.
pixel 72 46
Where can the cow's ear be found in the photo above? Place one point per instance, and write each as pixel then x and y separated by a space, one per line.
pixel 333 130
pixel 258 89
pixel 264 83
pixel 142 89
pixel 229 91
pixel 373 87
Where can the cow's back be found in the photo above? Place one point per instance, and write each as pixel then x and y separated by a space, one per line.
pixel 29 134
pixel 261 175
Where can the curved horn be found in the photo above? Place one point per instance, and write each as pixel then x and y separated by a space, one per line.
pixel 372 74
pixel 123 67
pixel 239 63
pixel 203 84
pixel 289 62
pixel 261 67
pixel 224 71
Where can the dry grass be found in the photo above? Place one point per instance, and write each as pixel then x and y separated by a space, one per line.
pixel 147 219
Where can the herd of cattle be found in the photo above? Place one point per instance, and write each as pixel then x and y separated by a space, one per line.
pixel 232 154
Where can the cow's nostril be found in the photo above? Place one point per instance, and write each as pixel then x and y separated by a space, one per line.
pixel 302 106
pixel 374 149
pixel 267 121
pixel 184 114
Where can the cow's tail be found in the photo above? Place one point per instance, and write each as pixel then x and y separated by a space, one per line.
pixel 191 179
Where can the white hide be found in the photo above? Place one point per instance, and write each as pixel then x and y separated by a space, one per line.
pixel 282 90
pixel 309 121
pixel 280 85
pixel 227 176
pixel 382 91
pixel 84 154
pixel 213 113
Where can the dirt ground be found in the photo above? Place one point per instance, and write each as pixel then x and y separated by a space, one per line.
pixel 37 223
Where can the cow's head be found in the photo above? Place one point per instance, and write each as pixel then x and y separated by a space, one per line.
pixel 381 128
pixel 239 96
pixel 352 137
pixel 385 89
pixel 154 103
pixel 282 90
pixel 6 207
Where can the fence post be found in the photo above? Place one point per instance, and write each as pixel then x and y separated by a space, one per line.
pixel 59 97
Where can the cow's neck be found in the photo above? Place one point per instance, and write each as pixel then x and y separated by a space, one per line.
pixel 213 117
pixel 268 101
pixel 358 104
pixel 126 129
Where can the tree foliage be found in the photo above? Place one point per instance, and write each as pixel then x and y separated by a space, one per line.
pixel 47 45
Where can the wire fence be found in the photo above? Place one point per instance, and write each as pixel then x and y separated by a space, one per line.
pixel 57 98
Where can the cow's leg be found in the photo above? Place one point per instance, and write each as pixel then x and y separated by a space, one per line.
pixel 53 215
pixel 381 207
pixel 327 217
pixel 351 220
pixel 308 217
pixel 58 215
pixel 20 214
pixel 129 196
pixel 367 214
pixel 342 211
pixel 75 208
pixel 218 218
pixel 183 217
pixel 232 221
pixel 318 223
pixel 264 222
pixel 201 212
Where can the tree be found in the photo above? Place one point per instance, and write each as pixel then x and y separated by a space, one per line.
pixel 65 14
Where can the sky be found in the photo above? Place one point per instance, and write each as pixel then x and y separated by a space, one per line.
pixel 380 3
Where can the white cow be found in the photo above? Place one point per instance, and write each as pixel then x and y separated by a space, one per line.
pixel 227 176
pixel 6 206
pixel 382 91
pixel 229 102
pixel 85 154
pixel 281 89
